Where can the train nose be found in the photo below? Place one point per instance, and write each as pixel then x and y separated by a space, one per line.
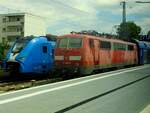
pixel 12 66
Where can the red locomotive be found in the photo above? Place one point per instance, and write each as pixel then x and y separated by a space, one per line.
pixel 80 53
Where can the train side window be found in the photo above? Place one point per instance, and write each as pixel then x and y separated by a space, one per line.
pixel 44 49
pixel 123 46
pixel 91 43
pixel 114 46
pixel 105 45
pixel 130 47
pixel 119 46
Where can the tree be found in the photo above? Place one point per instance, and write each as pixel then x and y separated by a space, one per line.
pixel 148 33
pixel 1 51
pixel 128 31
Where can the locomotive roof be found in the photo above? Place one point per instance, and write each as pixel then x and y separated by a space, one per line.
pixel 95 37
pixel 143 44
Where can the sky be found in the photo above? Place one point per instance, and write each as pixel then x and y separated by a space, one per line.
pixel 63 16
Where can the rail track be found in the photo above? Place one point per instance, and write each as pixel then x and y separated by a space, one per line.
pixel 11 83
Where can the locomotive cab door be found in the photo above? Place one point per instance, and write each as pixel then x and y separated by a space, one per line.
pixel 96 52
pixel 46 56
pixel 94 46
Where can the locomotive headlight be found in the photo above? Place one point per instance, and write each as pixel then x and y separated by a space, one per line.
pixel 59 57
pixel 75 58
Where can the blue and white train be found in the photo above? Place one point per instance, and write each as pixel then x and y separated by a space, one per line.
pixel 143 52
pixel 31 55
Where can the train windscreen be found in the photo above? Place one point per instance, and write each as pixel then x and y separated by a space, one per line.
pixel 70 43
pixel 19 45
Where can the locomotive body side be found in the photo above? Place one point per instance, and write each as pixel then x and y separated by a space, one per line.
pixel 124 53
pixel 109 53
pixel 94 53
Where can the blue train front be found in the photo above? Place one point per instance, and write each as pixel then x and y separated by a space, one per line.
pixel 31 55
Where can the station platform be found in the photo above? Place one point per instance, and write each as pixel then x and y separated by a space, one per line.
pixel 121 91
pixel 146 109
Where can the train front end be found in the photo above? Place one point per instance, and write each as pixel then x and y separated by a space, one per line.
pixel 31 55
pixel 13 58
pixel 69 54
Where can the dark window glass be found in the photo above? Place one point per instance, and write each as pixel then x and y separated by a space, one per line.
pixel 19 45
pixel 63 42
pixel 44 49
pixel 119 46
pixel 4 20
pixel 75 42
pixel 3 40
pixel 91 43
pixel 18 19
pixel 70 43
pixel 17 29
pixel 4 29
pixel 105 45
pixel 130 47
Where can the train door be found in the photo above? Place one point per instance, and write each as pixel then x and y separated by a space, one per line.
pixel 148 56
pixel 145 56
pixel 91 45
pixel 94 50
pixel 105 53
pixel 46 56
pixel 141 56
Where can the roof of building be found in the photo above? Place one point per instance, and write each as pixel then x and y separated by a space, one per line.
pixel 20 14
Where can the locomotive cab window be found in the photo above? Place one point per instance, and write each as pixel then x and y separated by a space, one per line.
pixel 19 45
pixel 119 46
pixel 70 42
pixel 75 42
pixel 63 42
pixel 44 49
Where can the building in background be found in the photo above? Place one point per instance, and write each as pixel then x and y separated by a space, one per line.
pixel 13 25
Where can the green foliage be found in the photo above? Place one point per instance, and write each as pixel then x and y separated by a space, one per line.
pixel 128 31
pixel 1 51
pixel 148 33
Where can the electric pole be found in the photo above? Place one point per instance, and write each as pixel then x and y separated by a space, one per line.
pixel 124 11
pixel 142 2
pixel 124 33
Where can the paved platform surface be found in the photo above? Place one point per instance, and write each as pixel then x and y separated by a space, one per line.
pixel 118 91
pixel 146 109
